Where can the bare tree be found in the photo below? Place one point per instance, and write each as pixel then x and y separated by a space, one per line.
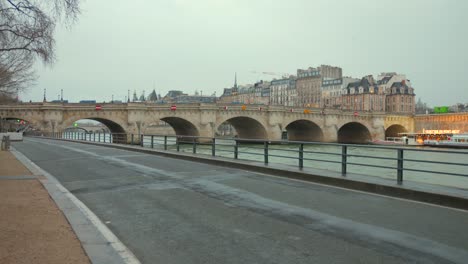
pixel 26 34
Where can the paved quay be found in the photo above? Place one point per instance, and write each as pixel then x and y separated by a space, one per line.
pixel 32 228
pixel 167 210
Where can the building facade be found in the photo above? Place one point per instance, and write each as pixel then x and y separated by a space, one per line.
pixel 364 95
pixel 401 98
pixel 309 84
pixel 325 87
pixel 283 91
pixel 332 90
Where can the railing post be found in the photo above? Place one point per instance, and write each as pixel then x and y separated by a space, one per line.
pixel 152 141
pixel 194 147
pixel 301 156
pixel 344 159
pixel 236 150
pixel 99 136
pixel 165 142
pixel 400 167
pixel 132 140
pixel 94 136
pixel 177 144
pixel 213 147
pixel 104 137
pixel 265 152
pixel 141 140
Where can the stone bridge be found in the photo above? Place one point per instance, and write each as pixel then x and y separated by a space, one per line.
pixel 250 121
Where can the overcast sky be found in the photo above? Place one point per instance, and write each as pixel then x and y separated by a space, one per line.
pixel 190 45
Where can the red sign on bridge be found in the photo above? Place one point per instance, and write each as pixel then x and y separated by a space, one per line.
pixel 173 107
pixel 98 107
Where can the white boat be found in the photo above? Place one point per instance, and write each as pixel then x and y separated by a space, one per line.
pixel 390 141
pixel 455 141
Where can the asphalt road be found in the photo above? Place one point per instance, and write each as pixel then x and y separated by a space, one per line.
pixel 173 211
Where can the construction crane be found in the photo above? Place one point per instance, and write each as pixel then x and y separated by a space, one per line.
pixel 283 75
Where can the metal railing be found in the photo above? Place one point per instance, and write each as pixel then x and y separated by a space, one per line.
pixel 397 160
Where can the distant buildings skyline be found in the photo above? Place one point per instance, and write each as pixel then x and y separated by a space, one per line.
pixel 326 87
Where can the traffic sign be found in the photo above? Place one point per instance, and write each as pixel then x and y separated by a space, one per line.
pixel 98 107
pixel 173 107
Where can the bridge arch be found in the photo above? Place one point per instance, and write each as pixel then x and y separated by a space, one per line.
pixel 354 132
pixel 182 127
pixel 304 130
pixel 247 127
pixel 119 134
pixel 393 130
pixel 14 124
pixel 73 128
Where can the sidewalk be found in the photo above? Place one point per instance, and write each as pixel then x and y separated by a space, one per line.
pixel 32 228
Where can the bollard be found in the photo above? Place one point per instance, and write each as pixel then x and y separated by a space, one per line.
pixel 5 143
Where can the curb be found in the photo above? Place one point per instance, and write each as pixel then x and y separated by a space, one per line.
pixel 97 240
pixel 387 189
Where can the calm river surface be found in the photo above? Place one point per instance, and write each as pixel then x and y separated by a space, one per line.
pixel 288 154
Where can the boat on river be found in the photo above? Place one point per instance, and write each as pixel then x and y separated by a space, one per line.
pixel 390 141
pixel 455 141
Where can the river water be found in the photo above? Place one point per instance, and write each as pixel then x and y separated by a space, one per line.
pixel 288 154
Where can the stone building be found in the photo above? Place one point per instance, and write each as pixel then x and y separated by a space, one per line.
pixel 309 84
pixel 257 93
pixel 283 91
pixel 401 98
pixel 332 89
pixel 364 95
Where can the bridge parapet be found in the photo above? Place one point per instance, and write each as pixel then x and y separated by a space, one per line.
pixel 204 119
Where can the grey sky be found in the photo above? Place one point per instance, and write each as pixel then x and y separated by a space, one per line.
pixel 198 45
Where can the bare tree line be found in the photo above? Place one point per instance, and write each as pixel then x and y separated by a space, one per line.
pixel 26 35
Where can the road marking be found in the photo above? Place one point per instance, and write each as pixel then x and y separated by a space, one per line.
pixel 125 253
pixel 320 184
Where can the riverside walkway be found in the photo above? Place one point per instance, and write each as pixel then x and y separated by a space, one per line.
pixel 168 210
pixel 32 228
